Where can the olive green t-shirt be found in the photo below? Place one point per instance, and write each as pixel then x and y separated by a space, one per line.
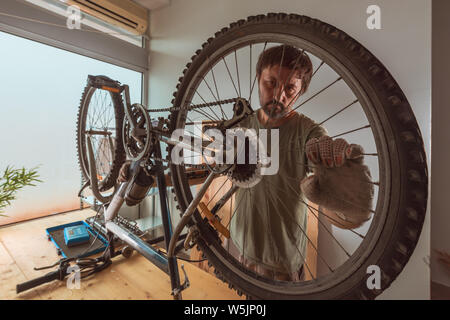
pixel 270 222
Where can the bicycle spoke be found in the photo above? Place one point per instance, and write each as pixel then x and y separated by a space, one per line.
pixel 289 77
pixel 320 65
pixel 352 204
pixel 250 77
pixel 231 217
pixel 97 156
pixel 238 153
pixel 269 233
pixel 249 264
pixel 237 73
pixel 204 114
pixel 225 198
pixel 217 192
pixel 298 93
pixel 232 81
pixel 279 73
pixel 350 131
pixel 95 105
pixel 299 196
pixel 216 99
pixel 344 108
pixel 329 232
pixel 301 229
pixel 102 108
pixel 254 81
pixel 105 149
pixel 321 212
pixel 196 126
pixel 245 222
pixel 231 204
pixel 110 118
pixel 97 108
pixel 234 211
pixel 191 135
pixel 316 94
pixel 374 154
pixel 104 164
pixel 339 174
pixel 217 91
pixel 94 97
pixel 197 136
pixel 293 69
pixel 217 117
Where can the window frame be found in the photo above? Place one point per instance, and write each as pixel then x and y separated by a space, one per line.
pixel 96 45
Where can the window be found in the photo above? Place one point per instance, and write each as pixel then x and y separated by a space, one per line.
pixel 41 87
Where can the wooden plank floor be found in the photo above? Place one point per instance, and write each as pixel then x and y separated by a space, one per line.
pixel 25 245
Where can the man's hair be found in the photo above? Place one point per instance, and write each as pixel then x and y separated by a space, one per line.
pixel 289 57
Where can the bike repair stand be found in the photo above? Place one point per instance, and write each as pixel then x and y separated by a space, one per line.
pixel 167 264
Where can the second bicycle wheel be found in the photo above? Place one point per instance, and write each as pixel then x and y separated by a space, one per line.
pixel 351 94
pixel 100 115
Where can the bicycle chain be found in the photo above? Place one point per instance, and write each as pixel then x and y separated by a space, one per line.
pixel 196 106
pixel 128 224
pixel 189 108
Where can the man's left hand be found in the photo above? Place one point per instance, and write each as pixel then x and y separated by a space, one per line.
pixel 332 153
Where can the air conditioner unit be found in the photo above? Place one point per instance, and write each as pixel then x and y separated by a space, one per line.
pixel 122 13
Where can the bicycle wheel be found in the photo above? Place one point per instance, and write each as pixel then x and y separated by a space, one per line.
pixel 101 114
pixel 357 98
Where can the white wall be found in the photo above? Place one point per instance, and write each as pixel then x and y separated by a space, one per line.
pixel 403 45
pixel 440 223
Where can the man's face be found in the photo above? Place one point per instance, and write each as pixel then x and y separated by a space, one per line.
pixel 277 93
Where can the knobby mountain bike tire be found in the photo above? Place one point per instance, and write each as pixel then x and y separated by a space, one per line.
pixel 402 197
pixel 103 111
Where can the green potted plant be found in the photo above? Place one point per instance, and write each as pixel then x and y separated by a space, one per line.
pixel 11 181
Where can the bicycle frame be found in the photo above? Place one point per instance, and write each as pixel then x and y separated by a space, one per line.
pixel 167 263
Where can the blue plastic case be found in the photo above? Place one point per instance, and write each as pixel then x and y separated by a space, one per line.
pixel 57 236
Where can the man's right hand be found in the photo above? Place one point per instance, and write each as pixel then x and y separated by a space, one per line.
pixel 340 182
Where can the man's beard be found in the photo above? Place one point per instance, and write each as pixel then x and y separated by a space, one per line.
pixel 275 109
